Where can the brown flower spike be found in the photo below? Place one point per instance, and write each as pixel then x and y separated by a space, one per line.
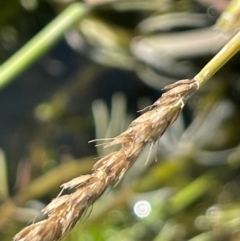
pixel 64 211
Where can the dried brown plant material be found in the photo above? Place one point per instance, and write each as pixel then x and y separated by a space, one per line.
pixel 64 211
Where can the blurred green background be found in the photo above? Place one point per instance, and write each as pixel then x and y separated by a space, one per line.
pixel 112 61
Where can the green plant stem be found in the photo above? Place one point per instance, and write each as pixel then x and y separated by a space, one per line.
pixel 230 18
pixel 226 53
pixel 3 176
pixel 39 44
pixel 190 193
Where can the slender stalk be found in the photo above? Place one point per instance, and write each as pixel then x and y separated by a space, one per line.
pixel 230 18
pixel 226 53
pixel 190 193
pixel 39 44
pixel 3 177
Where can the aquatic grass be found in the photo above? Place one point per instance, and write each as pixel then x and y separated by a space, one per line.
pixel 225 54
pixel 65 211
pixel 40 43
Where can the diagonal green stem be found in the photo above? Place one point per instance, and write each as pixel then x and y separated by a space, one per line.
pixel 39 44
pixel 226 53
pixel 190 193
pixel 230 18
